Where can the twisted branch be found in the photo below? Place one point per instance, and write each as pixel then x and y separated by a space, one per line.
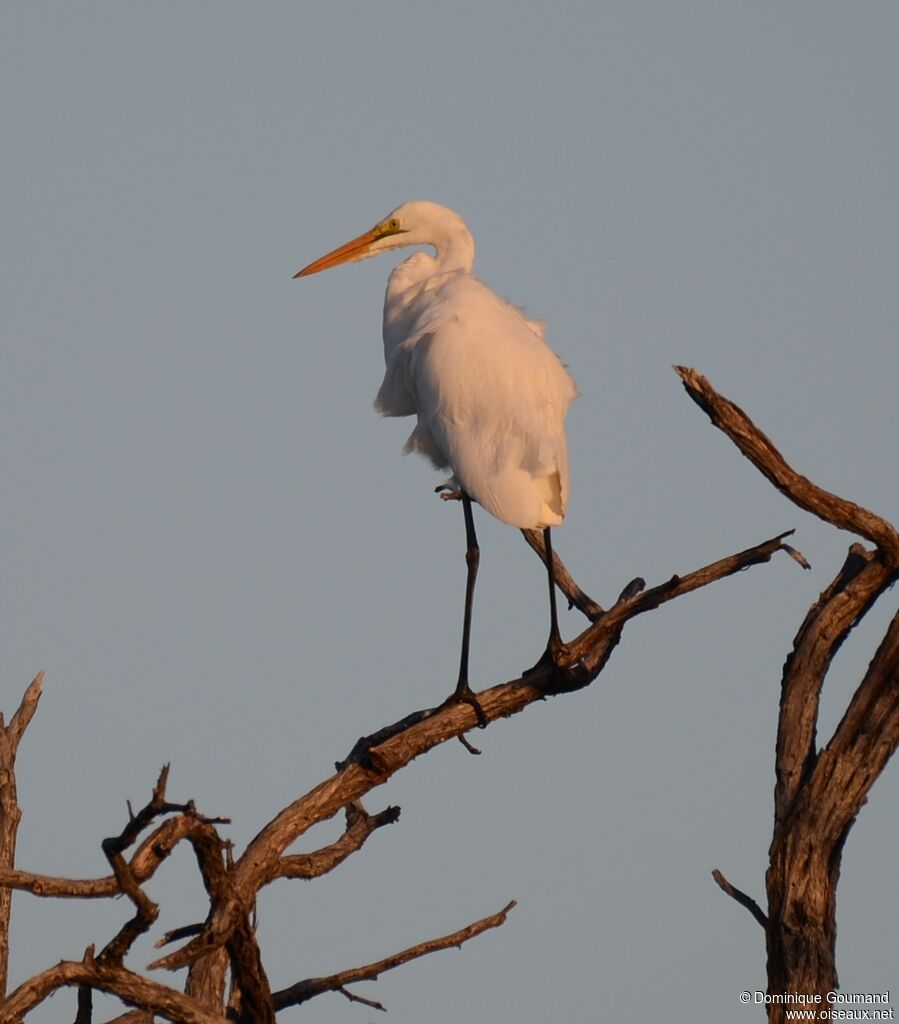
pixel 377 757
pixel 112 978
pixel 227 939
pixel 360 825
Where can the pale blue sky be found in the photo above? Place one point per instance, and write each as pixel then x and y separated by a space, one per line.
pixel 212 546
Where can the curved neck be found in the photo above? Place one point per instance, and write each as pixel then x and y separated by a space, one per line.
pixel 455 248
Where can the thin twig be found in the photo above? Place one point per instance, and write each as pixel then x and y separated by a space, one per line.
pixel 186 931
pixel 353 998
pixel 745 901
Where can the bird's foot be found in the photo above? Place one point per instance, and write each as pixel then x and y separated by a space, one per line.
pixel 364 755
pixel 447 492
pixel 556 657
pixel 463 694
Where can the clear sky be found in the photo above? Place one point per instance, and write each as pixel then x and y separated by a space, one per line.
pixel 211 543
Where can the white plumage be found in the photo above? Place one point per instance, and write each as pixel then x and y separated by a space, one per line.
pixel 489 393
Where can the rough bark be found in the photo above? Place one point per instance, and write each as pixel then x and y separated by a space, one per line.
pixel 818 793
pixel 817 797
pixel 224 944
pixel 10 813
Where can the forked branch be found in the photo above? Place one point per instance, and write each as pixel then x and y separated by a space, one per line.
pixel 818 795
pixel 149 855
pixel 360 825
pixel 377 757
pixel 227 938
pixel 114 979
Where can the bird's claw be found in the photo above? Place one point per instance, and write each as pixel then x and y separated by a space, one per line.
pixel 364 755
pixel 465 695
pixel 447 493
pixel 557 656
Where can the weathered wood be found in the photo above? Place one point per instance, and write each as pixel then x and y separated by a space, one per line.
pixel 10 813
pixel 818 795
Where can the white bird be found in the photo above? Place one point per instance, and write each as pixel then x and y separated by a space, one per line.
pixel 489 394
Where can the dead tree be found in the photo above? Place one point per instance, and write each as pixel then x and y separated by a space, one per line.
pixel 818 796
pixel 819 791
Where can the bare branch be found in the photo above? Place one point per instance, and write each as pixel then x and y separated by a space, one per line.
pixel 206 980
pixel 251 996
pixel 250 987
pixel 760 451
pixel 149 855
pixel 797 556
pixel 862 743
pixel 360 826
pixel 818 796
pixel 10 813
pixel 207 846
pixel 113 979
pixel 594 646
pixel 862 579
pixel 353 998
pixel 377 757
pixel 305 990
pixel 186 931
pixel 807 845
pixel 113 847
pixel 745 901
pixel 25 711
pixel 63 888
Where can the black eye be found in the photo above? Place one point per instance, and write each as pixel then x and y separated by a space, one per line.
pixel 393 224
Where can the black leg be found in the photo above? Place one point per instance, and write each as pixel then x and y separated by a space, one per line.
pixel 555 640
pixel 463 691
pixel 555 649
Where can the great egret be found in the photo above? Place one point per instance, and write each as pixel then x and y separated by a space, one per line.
pixel 489 393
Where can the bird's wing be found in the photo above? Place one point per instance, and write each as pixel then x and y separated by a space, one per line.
pixel 409 311
pixel 396 395
pixel 491 396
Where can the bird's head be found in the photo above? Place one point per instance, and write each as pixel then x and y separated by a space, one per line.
pixel 415 223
